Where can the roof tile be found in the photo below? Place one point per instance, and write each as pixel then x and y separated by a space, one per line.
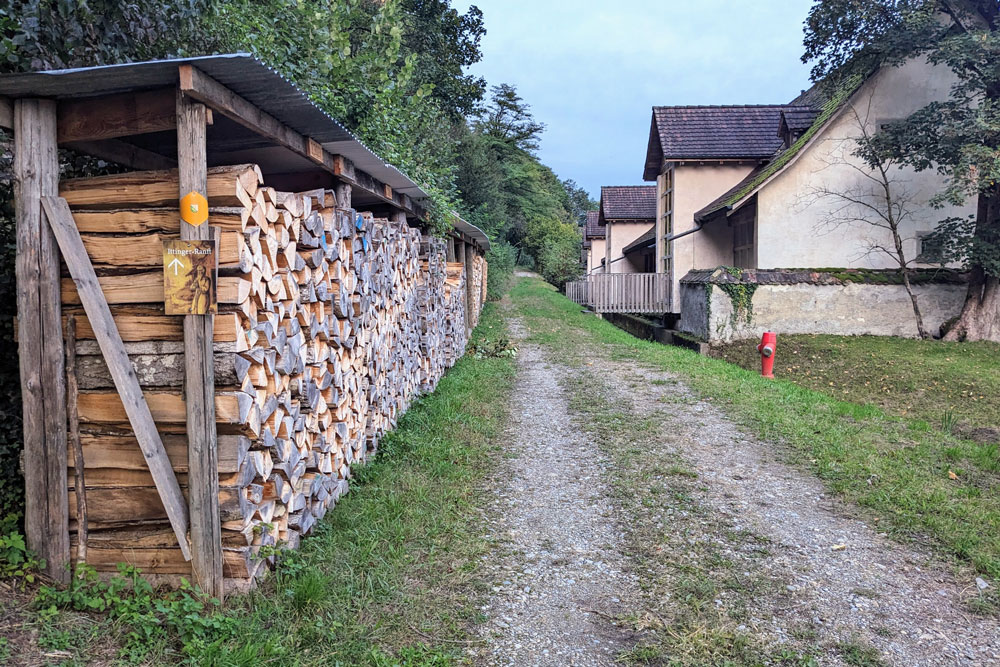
pixel 627 202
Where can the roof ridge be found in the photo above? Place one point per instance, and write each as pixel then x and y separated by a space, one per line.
pixel 783 105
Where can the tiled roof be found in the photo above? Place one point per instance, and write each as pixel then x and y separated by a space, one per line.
pixel 593 229
pixel 713 132
pixel 722 276
pixel 627 202
pixel 641 243
pixel 782 157
pixel 799 120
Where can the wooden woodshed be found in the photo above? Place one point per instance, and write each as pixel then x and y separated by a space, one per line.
pixel 188 444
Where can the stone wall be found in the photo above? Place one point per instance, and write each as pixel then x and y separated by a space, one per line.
pixel 804 302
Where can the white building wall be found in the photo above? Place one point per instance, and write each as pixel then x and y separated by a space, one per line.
pixel 797 225
pixel 695 186
pixel 595 255
pixel 620 234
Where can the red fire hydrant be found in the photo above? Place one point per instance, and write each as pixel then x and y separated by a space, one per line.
pixel 768 342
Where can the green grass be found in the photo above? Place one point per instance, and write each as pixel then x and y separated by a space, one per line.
pixel 953 386
pixel 895 467
pixel 391 575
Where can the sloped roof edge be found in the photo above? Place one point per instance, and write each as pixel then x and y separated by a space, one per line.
pixel 756 179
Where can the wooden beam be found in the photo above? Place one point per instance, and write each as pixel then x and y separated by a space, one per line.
pixel 114 116
pixel 123 153
pixel 199 373
pixel 6 114
pixel 134 403
pixel 40 348
pixel 196 84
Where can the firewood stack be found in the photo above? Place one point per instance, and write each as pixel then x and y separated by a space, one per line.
pixel 330 323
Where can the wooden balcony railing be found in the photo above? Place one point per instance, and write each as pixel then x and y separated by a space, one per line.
pixel 622 292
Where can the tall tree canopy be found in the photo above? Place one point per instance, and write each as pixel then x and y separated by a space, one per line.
pixel 959 137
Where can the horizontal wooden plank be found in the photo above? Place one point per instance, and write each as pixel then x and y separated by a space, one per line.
pixel 116 505
pixel 157 188
pixel 144 220
pixel 146 250
pixel 106 407
pixel 150 327
pixel 155 551
pixel 147 287
pixel 160 370
pixel 121 451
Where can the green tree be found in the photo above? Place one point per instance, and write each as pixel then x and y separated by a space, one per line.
pixel 444 43
pixel 579 201
pixel 508 118
pixel 958 137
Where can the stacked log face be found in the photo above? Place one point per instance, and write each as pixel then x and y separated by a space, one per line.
pixel 477 291
pixel 330 323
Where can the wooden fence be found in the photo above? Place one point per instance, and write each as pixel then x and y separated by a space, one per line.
pixel 622 292
pixel 578 291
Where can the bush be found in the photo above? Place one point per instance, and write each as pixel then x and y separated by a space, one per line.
pixel 561 261
pixel 558 251
pixel 501 258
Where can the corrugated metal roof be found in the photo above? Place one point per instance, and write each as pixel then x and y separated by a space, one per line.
pixel 244 75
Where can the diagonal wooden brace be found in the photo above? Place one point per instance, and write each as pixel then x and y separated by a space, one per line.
pixel 110 341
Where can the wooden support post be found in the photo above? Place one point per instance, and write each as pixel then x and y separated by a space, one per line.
pixel 470 258
pixel 40 347
pixel 460 256
pixel 343 193
pixel 199 374
pixel 451 249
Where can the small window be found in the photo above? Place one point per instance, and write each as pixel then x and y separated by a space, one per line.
pixel 886 123
pixel 930 249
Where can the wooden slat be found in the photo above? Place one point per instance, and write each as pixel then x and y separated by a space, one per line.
pixel 135 327
pixel 43 388
pixel 130 395
pixel 145 220
pixel 199 376
pixel 147 287
pixel 147 250
pixel 105 407
pixel 161 370
pixel 6 114
pixel 153 188
pixel 106 450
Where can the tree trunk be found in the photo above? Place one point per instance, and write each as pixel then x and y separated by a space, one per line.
pixel 913 301
pixel 980 316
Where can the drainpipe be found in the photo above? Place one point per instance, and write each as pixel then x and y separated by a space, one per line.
pixel 699 223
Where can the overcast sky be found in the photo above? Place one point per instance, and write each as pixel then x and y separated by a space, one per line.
pixel 592 70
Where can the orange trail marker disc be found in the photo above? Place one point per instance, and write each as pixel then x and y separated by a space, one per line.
pixel 194 208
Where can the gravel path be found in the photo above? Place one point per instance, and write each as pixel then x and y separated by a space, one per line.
pixel 846 579
pixel 563 575
pixel 558 572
